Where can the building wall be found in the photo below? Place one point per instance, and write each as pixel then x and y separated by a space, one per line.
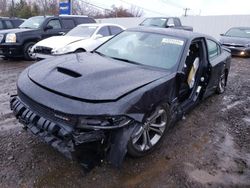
pixel 211 25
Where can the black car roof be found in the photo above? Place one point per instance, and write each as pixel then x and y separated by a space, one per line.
pixel 188 35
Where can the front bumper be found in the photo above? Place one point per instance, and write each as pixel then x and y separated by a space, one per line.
pixel 238 51
pixel 61 137
pixel 40 56
pixel 11 50
pixel 72 143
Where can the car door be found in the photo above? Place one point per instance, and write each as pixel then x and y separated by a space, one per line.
pixel 217 63
pixel 52 28
pixel 67 24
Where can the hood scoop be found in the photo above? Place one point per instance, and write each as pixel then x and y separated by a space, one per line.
pixel 69 72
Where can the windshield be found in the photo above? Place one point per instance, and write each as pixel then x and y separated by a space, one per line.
pixel 144 48
pixel 82 31
pixel 239 32
pixel 33 22
pixel 160 22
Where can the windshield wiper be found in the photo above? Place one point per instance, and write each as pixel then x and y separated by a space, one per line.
pixel 99 53
pixel 126 60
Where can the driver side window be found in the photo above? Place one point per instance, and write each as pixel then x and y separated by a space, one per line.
pixel 55 24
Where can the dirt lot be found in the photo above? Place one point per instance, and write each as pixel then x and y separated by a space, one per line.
pixel 209 148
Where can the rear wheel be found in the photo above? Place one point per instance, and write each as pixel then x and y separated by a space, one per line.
pixel 221 84
pixel 28 54
pixel 148 136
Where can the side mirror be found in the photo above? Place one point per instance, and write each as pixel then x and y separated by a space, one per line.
pixel 48 27
pixel 222 34
pixel 98 36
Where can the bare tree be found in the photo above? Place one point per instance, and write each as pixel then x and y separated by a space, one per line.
pixel 3 7
pixel 136 11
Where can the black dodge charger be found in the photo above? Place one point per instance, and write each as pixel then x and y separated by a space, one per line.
pixel 124 96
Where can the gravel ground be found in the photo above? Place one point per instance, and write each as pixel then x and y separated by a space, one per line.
pixel 210 147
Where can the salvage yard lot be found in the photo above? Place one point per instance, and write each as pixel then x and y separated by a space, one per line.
pixel 210 147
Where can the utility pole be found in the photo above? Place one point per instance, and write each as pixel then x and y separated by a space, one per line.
pixel 185 11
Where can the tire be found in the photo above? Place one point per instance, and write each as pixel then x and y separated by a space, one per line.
pixel 28 55
pixel 148 137
pixel 221 84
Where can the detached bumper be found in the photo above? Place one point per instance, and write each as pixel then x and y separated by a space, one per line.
pixel 72 143
pixel 61 137
pixel 11 50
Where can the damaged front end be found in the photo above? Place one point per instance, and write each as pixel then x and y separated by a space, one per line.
pixel 89 140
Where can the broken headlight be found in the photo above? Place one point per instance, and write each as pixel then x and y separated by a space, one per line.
pixel 103 122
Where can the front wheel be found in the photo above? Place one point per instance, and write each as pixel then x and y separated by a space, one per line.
pixel 150 134
pixel 28 54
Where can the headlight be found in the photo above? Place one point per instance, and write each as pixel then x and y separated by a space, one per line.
pixel 103 122
pixel 10 38
pixel 63 50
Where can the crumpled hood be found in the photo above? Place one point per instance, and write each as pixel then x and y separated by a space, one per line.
pixel 59 41
pixel 234 40
pixel 91 77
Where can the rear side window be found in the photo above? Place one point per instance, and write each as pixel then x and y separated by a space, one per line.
pixel 8 24
pixel 55 24
pixel 115 30
pixel 170 22
pixel 213 49
pixel 68 23
pixel 85 20
pixel 1 25
pixel 104 31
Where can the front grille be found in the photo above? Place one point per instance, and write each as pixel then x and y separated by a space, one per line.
pixel 43 50
pixel 49 113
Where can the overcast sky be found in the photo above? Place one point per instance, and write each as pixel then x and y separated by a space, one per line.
pixel 175 7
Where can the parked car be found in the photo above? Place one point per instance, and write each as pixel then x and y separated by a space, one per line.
pixel 84 37
pixel 122 97
pixel 10 23
pixel 19 42
pixel 165 22
pixel 237 39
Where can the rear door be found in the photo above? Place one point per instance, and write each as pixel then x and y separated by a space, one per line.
pixel 67 24
pixel 217 61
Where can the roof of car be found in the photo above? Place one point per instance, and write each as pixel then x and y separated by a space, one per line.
pixel 168 31
pixel 240 28
pixel 101 24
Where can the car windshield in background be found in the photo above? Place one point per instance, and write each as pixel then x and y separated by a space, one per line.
pixel 82 31
pixel 144 48
pixel 160 22
pixel 33 22
pixel 239 32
